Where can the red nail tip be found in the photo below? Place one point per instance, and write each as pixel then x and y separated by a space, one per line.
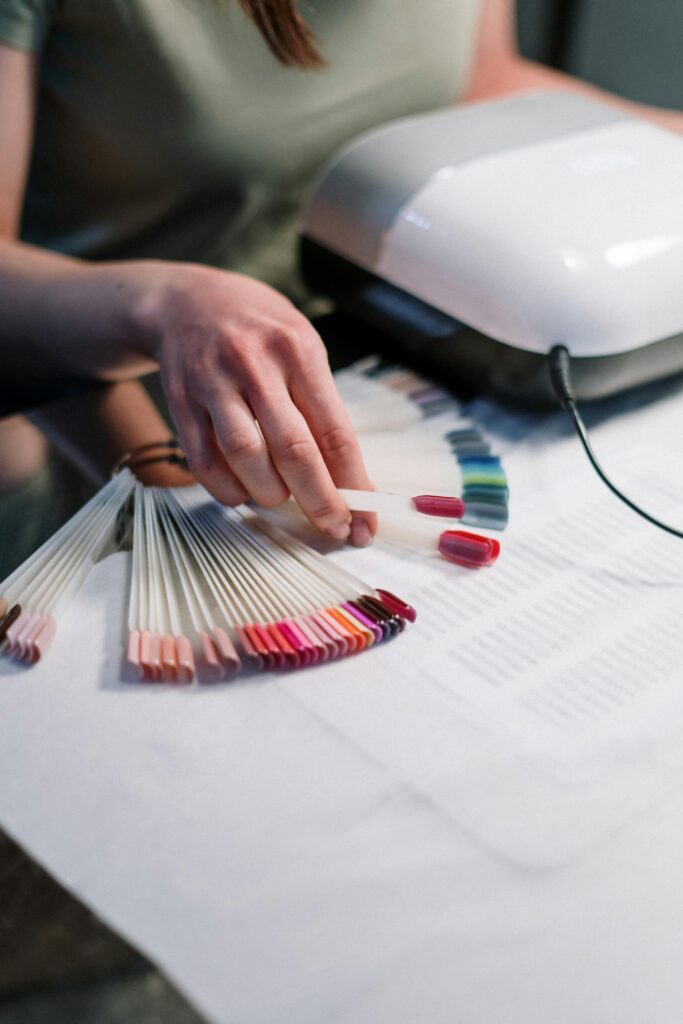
pixel 271 650
pixel 396 605
pixel 468 549
pixel 433 505
pixel 289 655
pixel 297 641
pixel 250 652
pixel 495 549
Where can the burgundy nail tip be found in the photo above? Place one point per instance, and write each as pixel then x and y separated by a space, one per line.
pixel 396 605
pixel 435 505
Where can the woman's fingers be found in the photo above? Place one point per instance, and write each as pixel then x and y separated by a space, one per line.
pixel 326 415
pixel 244 449
pixel 205 457
pixel 254 401
pixel 299 461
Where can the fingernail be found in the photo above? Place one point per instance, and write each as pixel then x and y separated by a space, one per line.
pixel 360 532
pixel 340 531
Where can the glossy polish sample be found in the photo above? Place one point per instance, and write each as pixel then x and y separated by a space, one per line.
pixel 360 616
pixel 395 604
pixel 433 505
pixel 398 504
pixel 337 631
pixel 468 549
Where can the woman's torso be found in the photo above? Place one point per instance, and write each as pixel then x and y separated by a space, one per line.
pixel 167 130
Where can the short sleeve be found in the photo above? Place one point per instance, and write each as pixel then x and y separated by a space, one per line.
pixel 25 23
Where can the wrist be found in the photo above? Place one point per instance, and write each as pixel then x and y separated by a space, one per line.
pixel 163 289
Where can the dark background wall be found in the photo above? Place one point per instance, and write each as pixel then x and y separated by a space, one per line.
pixel 634 47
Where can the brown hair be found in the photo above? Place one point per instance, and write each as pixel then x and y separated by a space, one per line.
pixel 290 39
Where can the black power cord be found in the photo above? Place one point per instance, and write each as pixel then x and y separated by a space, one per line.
pixel 560 377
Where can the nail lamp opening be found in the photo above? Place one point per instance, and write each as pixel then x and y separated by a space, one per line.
pixel 476 238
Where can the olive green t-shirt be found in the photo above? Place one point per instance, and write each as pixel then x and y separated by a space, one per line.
pixel 165 128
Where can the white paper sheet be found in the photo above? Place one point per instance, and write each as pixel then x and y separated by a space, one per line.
pixel 301 848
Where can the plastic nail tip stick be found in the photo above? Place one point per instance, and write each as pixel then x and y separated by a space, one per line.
pixel 397 504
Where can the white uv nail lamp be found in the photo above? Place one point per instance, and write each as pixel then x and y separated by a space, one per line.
pixel 478 237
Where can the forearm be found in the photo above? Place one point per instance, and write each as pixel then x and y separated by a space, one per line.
pixel 64 318
pixel 99 425
pixel 515 74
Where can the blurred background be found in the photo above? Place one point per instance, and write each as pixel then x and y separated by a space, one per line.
pixel 627 46
pixel 59 964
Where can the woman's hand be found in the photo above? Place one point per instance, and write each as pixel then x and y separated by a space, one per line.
pixel 253 399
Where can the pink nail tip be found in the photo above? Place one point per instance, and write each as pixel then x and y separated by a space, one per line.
pixel 364 621
pixel 433 505
pixel 211 663
pixel 133 649
pixel 322 652
pixel 334 631
pixel 155 665
pixel 292 657
pixel 23 639
pixel 43 636
pixel 227 652
pixel 396 605
pixel 15 631
pixel 468 549
pixel 297 639
pixel 145 665
pixel 250 653
pixel 169 658
pixel 333 647
pixel 186 667
pixel 274 646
